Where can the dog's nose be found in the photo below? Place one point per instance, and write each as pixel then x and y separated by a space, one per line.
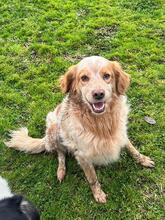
pixel 98 94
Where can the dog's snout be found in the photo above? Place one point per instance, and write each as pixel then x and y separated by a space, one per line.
pixel 98 94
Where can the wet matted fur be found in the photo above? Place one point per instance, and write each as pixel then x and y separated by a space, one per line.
pixel 91 121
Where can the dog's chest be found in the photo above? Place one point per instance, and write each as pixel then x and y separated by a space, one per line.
pixel 99 141
pixel 101 150
pixel 97 149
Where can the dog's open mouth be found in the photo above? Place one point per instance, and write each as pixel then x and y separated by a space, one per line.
pixel 98 107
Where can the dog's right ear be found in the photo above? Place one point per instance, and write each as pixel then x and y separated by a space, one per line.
pixel 67 81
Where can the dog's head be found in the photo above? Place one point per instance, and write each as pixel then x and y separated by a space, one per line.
pixel 16 207
pixel 95 79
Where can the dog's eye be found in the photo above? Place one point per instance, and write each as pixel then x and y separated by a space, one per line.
pixel 106 76
pixel 85 78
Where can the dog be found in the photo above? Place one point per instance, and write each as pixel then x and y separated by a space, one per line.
pixel 91 121
pixel 15 207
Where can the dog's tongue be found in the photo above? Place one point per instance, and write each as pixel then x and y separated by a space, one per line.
pixel 99 106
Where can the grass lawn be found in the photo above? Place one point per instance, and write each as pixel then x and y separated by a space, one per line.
pixel 39 40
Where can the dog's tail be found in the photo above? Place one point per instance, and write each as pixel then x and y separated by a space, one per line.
pixel 21 141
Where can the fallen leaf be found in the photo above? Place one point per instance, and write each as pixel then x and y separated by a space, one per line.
pixel 149 120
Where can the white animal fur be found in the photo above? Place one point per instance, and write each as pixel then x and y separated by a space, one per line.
pixel 5 191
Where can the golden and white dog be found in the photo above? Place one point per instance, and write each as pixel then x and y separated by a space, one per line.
pixel 91 122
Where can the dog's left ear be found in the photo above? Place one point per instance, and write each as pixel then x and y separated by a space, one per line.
pixel 122 79
pixel 67 81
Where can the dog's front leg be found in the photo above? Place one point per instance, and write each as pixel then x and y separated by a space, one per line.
pixel 140 158
pixel 90 174
pixel 61 170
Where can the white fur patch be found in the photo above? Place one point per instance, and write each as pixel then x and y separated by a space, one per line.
pixel 5 191
pixel 51 119
pixel 93 61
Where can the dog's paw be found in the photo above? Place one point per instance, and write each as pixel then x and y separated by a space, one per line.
pixel 61 174
pixel 146 161
pixel 100 196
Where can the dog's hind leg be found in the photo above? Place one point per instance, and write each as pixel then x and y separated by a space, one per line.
pixel 61 170
pixel 140 158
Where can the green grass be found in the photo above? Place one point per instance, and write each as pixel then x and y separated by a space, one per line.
pixel 39 40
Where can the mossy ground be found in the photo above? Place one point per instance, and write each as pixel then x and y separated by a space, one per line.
pixel 39 41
